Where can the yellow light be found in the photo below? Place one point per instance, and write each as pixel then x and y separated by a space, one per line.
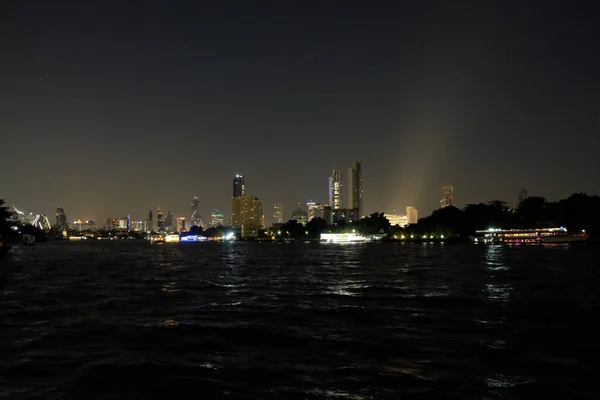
pixel 402 237
pixel 172 238
pixel 442 236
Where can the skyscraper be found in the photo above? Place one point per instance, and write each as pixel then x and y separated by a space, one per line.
pixel 335 190
pixel 278 212
pixel 523 194
pixel 169 222
pixel 61 218
pixel 411 215
pixel 447 199
pixel 160 220
pixel 150 226
pixel 239 188
pixel 195 212
pixel 355 187
pixel 247 214
pixel 181 224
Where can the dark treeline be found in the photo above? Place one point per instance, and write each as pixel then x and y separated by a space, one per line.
pixel 577 212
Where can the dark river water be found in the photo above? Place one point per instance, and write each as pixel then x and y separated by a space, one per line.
pixel 111 320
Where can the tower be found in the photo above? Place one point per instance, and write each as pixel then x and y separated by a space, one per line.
pixel 195 211
pixel 335 190
pixel 278 212
pixel 239 188
pixel 355 187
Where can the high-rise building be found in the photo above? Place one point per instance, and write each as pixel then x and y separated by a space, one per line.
pixel 315 210
pixel 523 194
pixel 278 212
pixel 217 218
pixel 160 220
pixel 355 187
pixel 169 222
pixel 239 188
pixel 61 218
pixel 181 224
pixel 247 214
pixel 411 215
pixel 195 212
pixel 150 226
pixel 447 199
pixel 335 190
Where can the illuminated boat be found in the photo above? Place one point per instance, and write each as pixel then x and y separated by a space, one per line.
pixel 157 238
pixel 540 235
pixel 343 238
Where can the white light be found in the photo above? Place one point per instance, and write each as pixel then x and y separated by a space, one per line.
pixel 229 236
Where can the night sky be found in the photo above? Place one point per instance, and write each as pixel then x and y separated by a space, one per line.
pixel 109 108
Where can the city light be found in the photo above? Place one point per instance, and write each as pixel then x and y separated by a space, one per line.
pixel 172 238
pixel 343 238
pixel 229 236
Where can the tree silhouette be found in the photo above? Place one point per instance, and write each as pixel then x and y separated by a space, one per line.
pixel 4 216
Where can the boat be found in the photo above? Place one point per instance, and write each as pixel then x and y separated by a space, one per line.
pixel 343 238
pixel 517 236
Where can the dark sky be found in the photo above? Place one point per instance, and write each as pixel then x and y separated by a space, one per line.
pixel 110 108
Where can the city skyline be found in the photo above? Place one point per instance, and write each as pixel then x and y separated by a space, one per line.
pixel 423 94
pixel 447 198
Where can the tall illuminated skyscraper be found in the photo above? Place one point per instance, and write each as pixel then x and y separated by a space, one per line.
pixel 447 199
pixel 411 215
pixel 335 190
pixel 195 212
pixel 355 187
pixel 239 188
pixel 278 212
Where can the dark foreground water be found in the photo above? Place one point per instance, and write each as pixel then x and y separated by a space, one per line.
pixel 299 321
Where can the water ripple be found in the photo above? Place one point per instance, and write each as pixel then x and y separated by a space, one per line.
pixel 242 320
